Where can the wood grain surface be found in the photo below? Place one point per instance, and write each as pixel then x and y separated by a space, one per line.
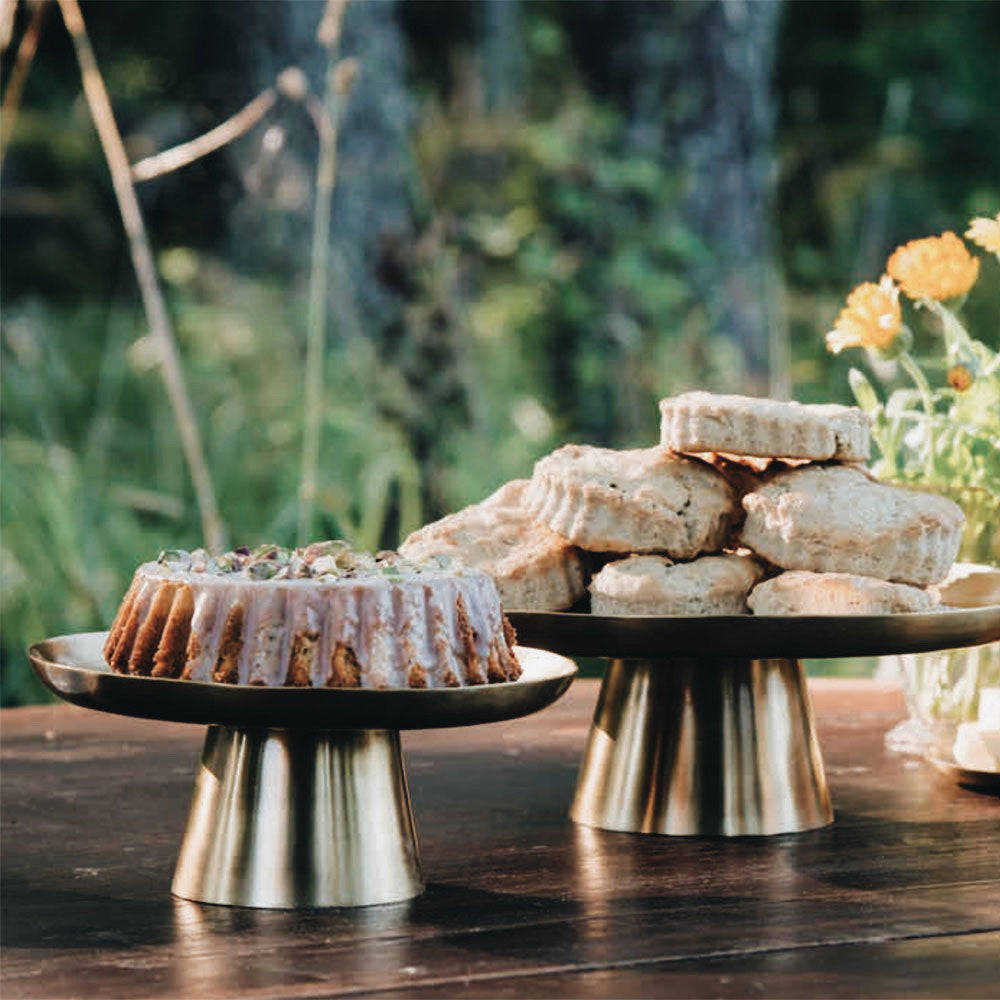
pixel 900 897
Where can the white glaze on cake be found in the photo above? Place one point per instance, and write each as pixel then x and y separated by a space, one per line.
pixel 433 628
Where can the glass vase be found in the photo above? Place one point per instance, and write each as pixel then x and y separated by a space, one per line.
pixel 942 688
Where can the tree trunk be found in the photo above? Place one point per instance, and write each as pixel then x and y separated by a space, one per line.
pixel 502 53
pixel 698 76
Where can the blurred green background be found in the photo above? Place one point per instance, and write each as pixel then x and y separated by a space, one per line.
pixel 547 215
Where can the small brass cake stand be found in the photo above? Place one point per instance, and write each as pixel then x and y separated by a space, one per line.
pixel 703 724
pixel 301 796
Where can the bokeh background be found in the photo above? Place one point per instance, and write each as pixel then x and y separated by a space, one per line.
pixel 546 216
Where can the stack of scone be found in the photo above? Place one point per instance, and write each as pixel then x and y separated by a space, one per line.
pixel 532 566
pixel 745 503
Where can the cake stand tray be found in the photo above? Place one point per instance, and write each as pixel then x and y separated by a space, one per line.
pixel 301 797
pixel 703 725
pixel 981 781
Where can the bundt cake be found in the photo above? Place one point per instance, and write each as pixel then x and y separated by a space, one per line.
pixel 323 615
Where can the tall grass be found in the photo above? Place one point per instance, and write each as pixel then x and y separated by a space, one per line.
pixel 93 483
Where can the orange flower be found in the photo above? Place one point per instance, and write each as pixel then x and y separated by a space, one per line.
pixel 937 267
pixel 960 378
pixel 871 317
pixel 985 233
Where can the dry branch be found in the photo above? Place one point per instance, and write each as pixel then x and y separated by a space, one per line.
pixel 232 128
pixel 328 30
pixel 291 82
pixel 142 259
pixel 22 63
pixel 8 8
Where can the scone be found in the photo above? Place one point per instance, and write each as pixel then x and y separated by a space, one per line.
pixel 969 585
pixel 534 568
pixel 642 500
pixel 742 425
pixel 653 585
pixel 799 592
pixel 837 519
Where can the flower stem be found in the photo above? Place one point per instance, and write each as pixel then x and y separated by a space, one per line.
pixel 920 380
pixel 923 387
pixel 955 335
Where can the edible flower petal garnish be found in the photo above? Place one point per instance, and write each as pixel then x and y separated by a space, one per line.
pixel 326 560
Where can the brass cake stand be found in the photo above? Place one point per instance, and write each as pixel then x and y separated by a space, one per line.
pixel 703 724
pixel 301 798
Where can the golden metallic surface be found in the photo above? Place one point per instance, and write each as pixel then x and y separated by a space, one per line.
pixel 285 818
pixel 774 636
pixel 301 798
pixel 72 666
pixel 703 724
pixel 714 748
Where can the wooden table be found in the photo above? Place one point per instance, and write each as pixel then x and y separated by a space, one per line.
pixel 900 897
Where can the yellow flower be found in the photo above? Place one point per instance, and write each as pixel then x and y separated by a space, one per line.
pixel 937 267
pixel 871 317
pixel 985 233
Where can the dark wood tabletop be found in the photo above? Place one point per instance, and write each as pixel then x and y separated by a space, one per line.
pixel 900 897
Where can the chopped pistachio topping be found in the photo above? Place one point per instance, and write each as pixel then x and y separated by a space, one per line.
pixel 329 560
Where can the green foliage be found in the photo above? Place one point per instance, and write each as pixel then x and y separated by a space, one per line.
pixel 569 271
pixel 93 478
pixel 548 292
pixel 887 131
pixel 944 437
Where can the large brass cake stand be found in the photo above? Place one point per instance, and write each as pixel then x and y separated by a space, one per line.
pixel 703 725
pixel 301 797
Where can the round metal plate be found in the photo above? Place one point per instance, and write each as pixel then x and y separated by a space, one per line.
pixel 981 781
pixel 756 636
pixel 72 667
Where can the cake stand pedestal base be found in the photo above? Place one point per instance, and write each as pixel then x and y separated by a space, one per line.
pixel 285 818
pixel 301 798
pixel 692 746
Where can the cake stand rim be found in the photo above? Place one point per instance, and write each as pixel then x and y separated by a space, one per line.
pixel 756 636
pixel 167 699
